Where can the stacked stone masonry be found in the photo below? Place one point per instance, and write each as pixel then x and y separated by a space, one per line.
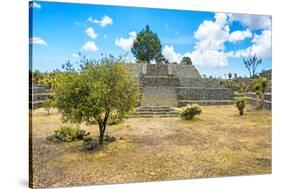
pixel 37 95
pixel 175 85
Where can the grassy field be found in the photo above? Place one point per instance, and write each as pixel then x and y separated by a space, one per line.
pixel 217 143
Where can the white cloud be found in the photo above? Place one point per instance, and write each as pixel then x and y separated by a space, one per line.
pixel 91 33
pixel 35 5
pixel 240 35
pixel 209 48
pixel 126 43
pixel 170 54
pixel 90 46
pixel 261 46
pixel 106 20
pixel 252 21
pixel 209 58
pixel 211 36
pixel 37 41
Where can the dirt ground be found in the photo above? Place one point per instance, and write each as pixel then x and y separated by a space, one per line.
pixel 217 143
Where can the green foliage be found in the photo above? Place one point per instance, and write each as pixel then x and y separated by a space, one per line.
pixel 48 104
pixel 259 86
pixel 95 91
pixel 115 118
pixel 49 79
pixel 190 111
pixel 67 134
pixel 186 60
pixel 240 104
pixel 147 46
pixel 229 75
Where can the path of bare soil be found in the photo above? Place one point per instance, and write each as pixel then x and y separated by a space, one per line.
pixel 217 143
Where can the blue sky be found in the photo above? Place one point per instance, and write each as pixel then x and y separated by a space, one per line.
pixel 216 42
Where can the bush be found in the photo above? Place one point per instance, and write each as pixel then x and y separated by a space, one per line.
pixel 115 118
pixel 190 111
pixel 240 105
pixel 67 134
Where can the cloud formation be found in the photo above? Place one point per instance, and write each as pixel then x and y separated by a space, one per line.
pixel 170 54
pixel 37 41
pixel 126 43
pixel 252 21
pixel 106 20
pixel 211 36
pixel 90 46
pixel 91 33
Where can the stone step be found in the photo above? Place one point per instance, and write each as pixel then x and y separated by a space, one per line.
pixel 154 109
pixel 154 113
pixel 198 93
pixel 160 81
pixel 159 96
pixel 157 69
pixel 182 103
pixel 151 116
pixel 200 82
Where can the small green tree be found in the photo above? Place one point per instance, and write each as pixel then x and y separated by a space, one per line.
pixel 97 89
pixel 240 105
pixel 252 64
pixel 259 86
pixel 229 75
pixel 186 60
pixel 48 104
pixel 147 46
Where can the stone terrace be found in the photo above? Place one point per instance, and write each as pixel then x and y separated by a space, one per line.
pixel 172 85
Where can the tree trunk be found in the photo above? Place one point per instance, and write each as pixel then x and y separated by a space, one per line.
pixel 102 126
pixel 262 101
pixel 257 102
pixel 101 133
pixel 241 111
pixel 101 137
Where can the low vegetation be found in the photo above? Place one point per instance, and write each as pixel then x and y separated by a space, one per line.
pixel 155 149
pixel 240 105
pixel 190 111
pixel 67 134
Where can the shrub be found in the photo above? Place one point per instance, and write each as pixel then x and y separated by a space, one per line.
pixel 67 134
pixel 48 104
pixel 240 104
pixel 115 118
pixel 190 111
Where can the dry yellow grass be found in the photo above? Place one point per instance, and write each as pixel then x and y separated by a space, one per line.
pixel 217 143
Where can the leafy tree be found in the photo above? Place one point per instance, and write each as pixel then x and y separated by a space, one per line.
pixel 147 46
pixel 235 75
pixel 259 86
pixel 96 90
pixel 186 60
pixel 240 105
pixel 229 75
pixel 252 64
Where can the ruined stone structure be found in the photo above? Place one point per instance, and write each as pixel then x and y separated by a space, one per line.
pixel 163 88
pixel 37 95
pixel 166 86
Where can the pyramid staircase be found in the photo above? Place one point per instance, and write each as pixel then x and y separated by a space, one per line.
pixel 164 89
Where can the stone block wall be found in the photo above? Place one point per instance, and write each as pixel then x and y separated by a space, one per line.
pixel 37 95
pixel 189 93
pixel 200 82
